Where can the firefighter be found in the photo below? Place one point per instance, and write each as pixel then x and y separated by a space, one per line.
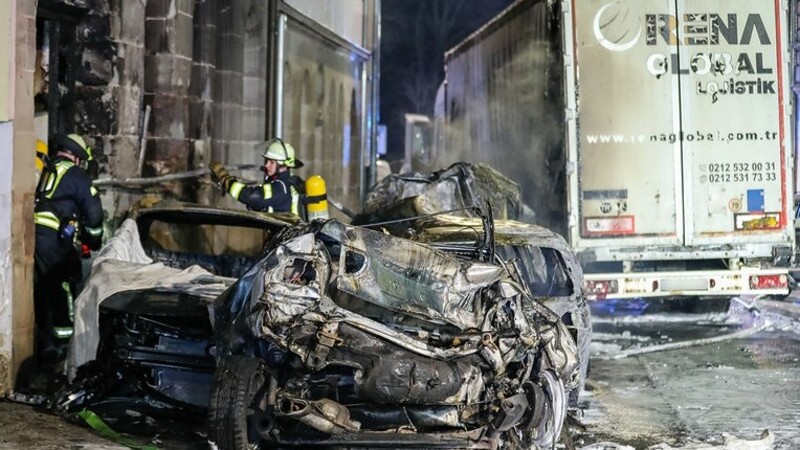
pixel 280 192
pixel 67 211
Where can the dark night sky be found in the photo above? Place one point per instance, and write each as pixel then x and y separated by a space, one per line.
pixel 415 35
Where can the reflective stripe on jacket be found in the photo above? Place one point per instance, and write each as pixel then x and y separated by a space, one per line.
pixel 68 194
pixel 47 219
pixel 275 195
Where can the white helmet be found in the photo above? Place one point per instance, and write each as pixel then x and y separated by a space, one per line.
pixel 280 151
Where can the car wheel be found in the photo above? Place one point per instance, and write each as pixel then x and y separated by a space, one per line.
pixel 548 403
pixel 239 418
pixel 549 430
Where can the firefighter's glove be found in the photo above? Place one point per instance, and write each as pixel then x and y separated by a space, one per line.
pixel 221 176
pixel 218 171
pixel 226 182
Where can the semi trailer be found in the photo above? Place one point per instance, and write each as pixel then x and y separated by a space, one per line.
pixel 655 136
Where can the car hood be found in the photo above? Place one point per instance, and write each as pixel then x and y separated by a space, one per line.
pixel 401 276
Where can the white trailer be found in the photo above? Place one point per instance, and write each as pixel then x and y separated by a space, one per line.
pixel 656 136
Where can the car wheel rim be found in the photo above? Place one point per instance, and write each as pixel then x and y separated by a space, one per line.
pixel 556 410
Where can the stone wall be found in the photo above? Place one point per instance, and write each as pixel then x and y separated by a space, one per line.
pixel 254 82
pixel 203 67
pixel 125 92
pixel 199 65
pixel 169 34
pixel 108 98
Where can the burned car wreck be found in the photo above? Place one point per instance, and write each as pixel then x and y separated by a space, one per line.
pixel 414 328
pixel 343 335
pixel 143 336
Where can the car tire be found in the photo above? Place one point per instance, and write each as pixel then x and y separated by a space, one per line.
pixel 238 415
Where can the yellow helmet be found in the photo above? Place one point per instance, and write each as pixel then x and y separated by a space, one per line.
pixel 75 144
pixel 280 151
pixel 41 154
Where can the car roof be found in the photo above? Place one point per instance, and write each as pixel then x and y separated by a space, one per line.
pixel 451 228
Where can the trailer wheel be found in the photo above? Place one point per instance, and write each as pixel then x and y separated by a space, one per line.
pixel 238 415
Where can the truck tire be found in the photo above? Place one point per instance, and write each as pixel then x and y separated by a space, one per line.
pixel 238 416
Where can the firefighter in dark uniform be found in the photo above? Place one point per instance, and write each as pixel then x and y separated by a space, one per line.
pixel 280 192
pixel 67 211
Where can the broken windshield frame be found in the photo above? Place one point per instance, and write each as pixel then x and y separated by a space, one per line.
pixel 483 252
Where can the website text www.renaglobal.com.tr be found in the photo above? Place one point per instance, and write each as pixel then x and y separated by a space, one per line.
pixel 671 138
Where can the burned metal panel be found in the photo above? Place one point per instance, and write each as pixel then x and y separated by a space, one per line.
pixel 412 278
pixel 462 186
pixel 541 259
pixel 296 275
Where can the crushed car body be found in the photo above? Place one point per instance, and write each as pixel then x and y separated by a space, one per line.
pixel 415 328
pixel 143 334
pixel 345 335
pixel 474 211
pixel 460 187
